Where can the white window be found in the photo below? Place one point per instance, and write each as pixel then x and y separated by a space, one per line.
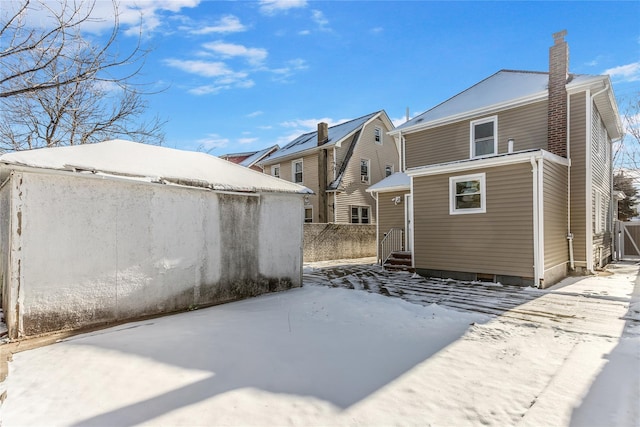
pixel 388 170
pixel 484 137
pixel 467 194
pixel 296 171
pixel 275 170
pixel 377 135
pixel 364 171
pixel 359 215
pixel 308 214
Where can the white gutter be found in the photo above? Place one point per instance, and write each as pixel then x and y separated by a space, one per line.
pixel 413 228
pixel 536 225
pixel 486 162
pixel 589 177
pixel 375 197
pixel 572 262
pixel 389 189
pixel 403 148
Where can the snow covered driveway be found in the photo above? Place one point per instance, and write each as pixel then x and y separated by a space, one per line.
pixel 441 354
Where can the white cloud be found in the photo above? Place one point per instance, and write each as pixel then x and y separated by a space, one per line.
pixel 283 73
pixel 245 141
pixel 320 20
pixel 253 55
pixel 271 7
pixel 307 125
pixel 376 30
pixel 255 114
pixel 201 68
pixel 133 15
pixel 627 73
pixel 212 141
pixel 226 24
pixel 304 32
pixel 223 77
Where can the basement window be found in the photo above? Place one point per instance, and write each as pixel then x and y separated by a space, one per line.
pixel 467 194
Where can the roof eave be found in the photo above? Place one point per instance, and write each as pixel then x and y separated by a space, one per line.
pixel 388 189
pixel 539 96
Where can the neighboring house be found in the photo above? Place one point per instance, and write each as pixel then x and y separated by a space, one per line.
pixel 250 159
pixel 509 180
pixel 339 163
pixel 102 233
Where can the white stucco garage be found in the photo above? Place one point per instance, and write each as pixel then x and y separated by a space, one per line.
pixel 100 233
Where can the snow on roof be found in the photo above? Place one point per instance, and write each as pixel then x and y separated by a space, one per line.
pixel 505 86
pixel 158 164
pixel 257 156
pixel 396 181
pixel 309 140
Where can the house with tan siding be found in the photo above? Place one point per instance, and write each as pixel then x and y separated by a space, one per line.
pixel 339 163
pixel 509 180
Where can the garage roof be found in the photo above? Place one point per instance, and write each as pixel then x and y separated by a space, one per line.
pixel 136 161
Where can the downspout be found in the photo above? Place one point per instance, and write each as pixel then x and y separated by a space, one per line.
pixel 572 262
pixel 589 186
pixel 375 197
pixel 536 225
pixel 403 157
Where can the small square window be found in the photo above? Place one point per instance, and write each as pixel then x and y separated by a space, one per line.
pixel 467 194
pixel 275 171
pixel 388 170
pixel 308 214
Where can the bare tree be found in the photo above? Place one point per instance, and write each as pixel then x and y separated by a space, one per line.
pixel 627 153
pixel 59 88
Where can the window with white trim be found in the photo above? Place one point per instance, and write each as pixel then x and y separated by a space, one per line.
pixel 484 137
pixel 364 171
pixel 296 171
pixel 275 170
pixel 377 135
pixel 308 214
pixel 359 214
pixel 467 194
pixel 388 170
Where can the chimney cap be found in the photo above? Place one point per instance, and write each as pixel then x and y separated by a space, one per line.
pixel 559 36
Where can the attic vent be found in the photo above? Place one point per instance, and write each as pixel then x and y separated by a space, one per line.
pixel 419 120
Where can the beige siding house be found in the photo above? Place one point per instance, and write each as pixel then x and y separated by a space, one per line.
pixel 510 180
pixel 339 163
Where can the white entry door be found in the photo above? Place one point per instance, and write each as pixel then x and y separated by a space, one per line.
pixel 408 223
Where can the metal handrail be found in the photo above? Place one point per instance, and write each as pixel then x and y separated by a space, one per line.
pixel 393 241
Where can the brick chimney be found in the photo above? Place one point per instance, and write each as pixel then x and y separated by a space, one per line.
pixel 323 133
pixel 557 110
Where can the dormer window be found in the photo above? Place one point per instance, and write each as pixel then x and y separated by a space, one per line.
pixel 484 137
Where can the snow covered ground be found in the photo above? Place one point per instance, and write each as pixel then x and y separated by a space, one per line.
pixel 330 355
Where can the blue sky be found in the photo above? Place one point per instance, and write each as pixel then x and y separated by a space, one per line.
pixel 244 75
